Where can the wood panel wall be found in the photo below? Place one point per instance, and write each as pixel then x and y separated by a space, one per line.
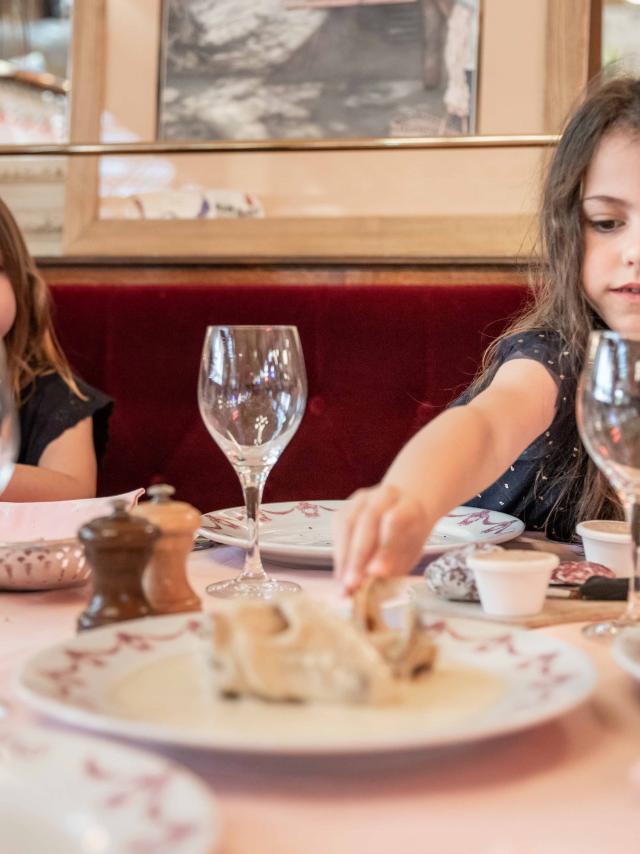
pixel 58 273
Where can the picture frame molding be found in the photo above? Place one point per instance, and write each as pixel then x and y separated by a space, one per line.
pixel 368 239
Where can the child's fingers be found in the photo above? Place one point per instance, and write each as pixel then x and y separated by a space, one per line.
pixel 403 530
pixel 343 525
pixel 363 539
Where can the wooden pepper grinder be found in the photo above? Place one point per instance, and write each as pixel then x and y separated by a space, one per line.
pixel 165 580
pixel 118 548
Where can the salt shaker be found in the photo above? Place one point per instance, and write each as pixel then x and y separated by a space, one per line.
pixel 118 548
pixel 165 579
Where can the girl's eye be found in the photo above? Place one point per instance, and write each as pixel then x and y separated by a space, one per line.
pixel 604 225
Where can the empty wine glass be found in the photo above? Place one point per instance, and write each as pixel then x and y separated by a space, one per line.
pixel 608 413
pixel 9 431
pixel 252 392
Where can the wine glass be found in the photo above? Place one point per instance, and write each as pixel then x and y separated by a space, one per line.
pixel 9 430
pixel 608 414
pixel 252 392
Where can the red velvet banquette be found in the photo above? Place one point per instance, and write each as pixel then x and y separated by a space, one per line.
pixel 381 361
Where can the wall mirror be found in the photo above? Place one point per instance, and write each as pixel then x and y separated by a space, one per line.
pixel 316 148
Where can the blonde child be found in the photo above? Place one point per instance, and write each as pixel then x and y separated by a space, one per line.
pixel 511 442
pixel 63 421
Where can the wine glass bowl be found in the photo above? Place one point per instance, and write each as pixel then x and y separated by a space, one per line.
pixel 9 428
pixel 608 416
pixel 252 392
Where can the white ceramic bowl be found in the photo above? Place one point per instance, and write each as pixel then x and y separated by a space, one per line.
pixel 512 582
pixel 43 565
pixel 607 542
pixel 38 546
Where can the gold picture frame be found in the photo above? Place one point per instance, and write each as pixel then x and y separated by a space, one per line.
pixel 465 232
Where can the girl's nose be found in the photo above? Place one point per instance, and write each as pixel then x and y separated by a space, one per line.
pixel 631 252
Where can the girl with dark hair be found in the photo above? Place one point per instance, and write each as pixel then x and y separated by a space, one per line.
pixel 63 421
pixel 511 442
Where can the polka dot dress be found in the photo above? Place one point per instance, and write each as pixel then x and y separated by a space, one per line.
pixel 520 491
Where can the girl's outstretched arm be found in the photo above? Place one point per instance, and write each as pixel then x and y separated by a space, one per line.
pixel 66 469
pixel 382 529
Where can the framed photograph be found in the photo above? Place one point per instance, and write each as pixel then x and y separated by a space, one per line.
pixel 314 69
pixel 273 199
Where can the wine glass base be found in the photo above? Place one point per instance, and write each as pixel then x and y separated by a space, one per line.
pixel 240 588
pixel 608 629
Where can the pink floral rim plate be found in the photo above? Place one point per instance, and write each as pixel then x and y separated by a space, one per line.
pixel 300 531
pixel 71 794
pixel 148 679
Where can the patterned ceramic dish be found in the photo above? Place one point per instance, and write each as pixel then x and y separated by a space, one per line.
pixel 148 679
pixel 45 561
pixel 68 794
pixel 300 533
pixel 43 565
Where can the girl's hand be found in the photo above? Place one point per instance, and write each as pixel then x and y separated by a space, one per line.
pixel 381 532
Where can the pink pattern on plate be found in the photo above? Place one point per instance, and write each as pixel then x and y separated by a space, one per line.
pixel 493 526
pixel 221 522
pixel 541 666
pixel 69 678
pixel 150 790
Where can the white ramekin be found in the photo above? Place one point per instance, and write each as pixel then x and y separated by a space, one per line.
pixel 608 542
pixel 512 582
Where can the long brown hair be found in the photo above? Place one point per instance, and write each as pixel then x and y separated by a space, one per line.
pixel 31 344
pixel 559 301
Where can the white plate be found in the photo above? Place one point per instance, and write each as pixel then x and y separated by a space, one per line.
pixel 148 679
pixel 299 532
pixel 69 794
pixel 626 650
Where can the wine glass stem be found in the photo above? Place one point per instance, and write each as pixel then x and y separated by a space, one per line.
pixel 632 510
pixel 253 481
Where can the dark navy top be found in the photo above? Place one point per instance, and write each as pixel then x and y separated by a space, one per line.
pixel 519 491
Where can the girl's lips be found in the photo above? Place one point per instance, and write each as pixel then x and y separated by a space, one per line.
pixel 629 287
pixel 628 293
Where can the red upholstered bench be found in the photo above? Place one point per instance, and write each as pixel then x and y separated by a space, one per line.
pixel 381 361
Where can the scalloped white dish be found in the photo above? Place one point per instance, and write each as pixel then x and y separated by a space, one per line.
pixel 148 679
pixel 299 532
pixel 73 794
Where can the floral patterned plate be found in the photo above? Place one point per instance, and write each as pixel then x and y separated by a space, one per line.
pixel 299 532
pixel 71 794
pixel 149 679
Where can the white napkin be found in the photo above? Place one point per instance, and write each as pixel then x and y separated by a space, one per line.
pixel 26 521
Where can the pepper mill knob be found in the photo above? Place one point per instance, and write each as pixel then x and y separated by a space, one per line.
pixel 161 493
pixel 165 580
pixel 118 548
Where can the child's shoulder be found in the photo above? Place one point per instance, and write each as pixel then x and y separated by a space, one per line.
pixel 538 344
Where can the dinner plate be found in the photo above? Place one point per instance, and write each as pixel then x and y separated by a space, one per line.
pixel 73 794
pixel 626 650
pixel 149 679
pixel 299 532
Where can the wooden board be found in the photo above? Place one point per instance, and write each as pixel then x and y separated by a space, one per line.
pixel 555 610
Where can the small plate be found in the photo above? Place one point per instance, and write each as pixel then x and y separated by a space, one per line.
pixel 149 679
pixel 626 650
pixel 299 532
pixel 71 794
